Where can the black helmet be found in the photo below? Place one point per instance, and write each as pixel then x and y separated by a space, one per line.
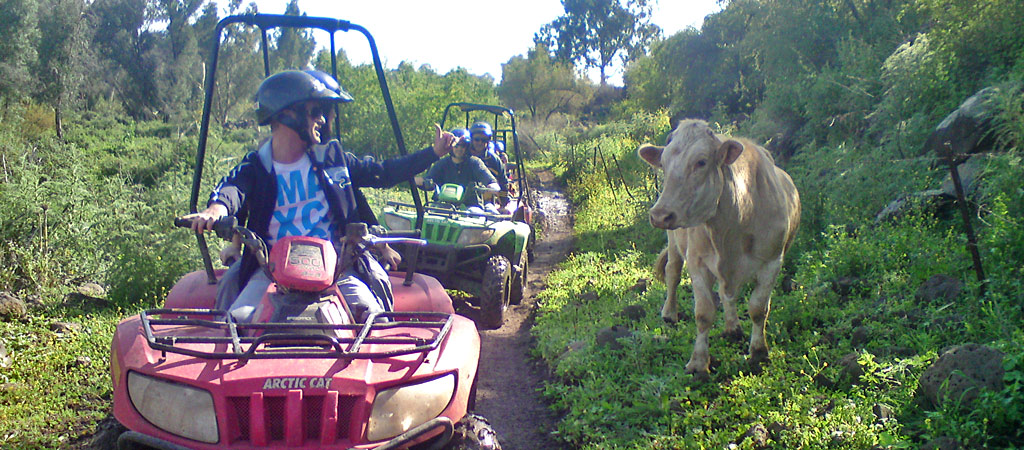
pixel 284 89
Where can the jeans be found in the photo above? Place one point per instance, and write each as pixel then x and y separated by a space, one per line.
pixel 356 293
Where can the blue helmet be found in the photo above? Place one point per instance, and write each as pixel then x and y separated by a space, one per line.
pixel 284 89
pixel 331 84
pixel 462 136
pixel 481 128
pixel 499 146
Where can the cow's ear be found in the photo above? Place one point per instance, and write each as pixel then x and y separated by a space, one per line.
pixel 651 154
pixel 731 150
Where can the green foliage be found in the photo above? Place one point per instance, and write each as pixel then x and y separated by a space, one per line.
pixel 419 97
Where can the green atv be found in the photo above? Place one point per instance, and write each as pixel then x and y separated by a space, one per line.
pixel 484 254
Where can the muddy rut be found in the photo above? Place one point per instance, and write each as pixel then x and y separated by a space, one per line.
pixel 508 390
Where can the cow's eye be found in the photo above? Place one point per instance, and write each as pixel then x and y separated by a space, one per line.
pixel 700 163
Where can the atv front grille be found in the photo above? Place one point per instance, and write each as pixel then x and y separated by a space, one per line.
pixel 440 231
pixel 290 419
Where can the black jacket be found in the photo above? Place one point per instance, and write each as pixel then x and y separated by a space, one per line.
pixel 250 189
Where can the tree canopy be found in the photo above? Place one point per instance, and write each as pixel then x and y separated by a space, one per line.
pixel 596 33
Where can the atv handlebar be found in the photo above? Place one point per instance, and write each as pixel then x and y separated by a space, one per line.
pixel 224 227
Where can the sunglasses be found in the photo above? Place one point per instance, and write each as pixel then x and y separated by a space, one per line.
pixel 318 111
pixel 481 139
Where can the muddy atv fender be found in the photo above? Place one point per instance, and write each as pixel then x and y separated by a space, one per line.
pixel 519 274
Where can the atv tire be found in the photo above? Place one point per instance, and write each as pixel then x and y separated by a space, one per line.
pixel 519 280
pixel 495 290
pixel 473 432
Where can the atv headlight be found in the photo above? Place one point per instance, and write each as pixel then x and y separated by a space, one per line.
pixel 395 222
pixel 399 409
pixel 470 236
pixel 175 408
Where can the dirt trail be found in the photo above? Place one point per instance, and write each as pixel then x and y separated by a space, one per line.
pixel 507 393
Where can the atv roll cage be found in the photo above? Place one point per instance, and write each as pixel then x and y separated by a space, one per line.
pixel 286 342
pixel 267 22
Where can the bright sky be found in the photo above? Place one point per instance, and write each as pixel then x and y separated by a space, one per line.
pixel 479 35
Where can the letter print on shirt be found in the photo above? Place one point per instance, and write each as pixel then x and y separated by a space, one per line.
pixel 301 208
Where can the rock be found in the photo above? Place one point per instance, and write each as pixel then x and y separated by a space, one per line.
pixel 775 430
pixel 850 369
pixel 883 413
pixel 969 172
pixel 609 337
pixel 11 307
pixel 844 286
pixel 860 336
pixel 82 361
pixel 633 313
pixel 939 288
pixel 896 208
pixel 968 129
pixel 5 358
pixel 942 443
pixel 758 435
pixel 589 296
pixel 960 373
pixel 823 381
pixel 65 327
pixel 92 290
pixel 641 285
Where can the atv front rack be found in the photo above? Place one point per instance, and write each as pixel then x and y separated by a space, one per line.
pixel 449 212
pixel 288 340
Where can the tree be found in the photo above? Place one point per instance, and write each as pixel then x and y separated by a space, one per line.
pixel 18 33
pixel 134 60
pixel 60 67
pixel 541 85
pixel 593 33
pixel 240 71
pixel 181 88
pixel 294 47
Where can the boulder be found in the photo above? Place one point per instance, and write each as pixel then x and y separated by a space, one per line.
pixel 961 373
pixel 66 327
pixel 632 313
pixel 968 129
pixel 11 307
pixel 609 337
pixel 5 358
pixel 938 288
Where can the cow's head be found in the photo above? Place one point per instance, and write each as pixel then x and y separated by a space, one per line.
pixel 692 161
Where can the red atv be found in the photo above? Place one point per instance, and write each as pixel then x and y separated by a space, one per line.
pixel 305 375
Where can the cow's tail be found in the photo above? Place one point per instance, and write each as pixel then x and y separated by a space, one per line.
pixel 659 265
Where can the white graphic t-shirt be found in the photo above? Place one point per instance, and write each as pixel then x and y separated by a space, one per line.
pixel 301 208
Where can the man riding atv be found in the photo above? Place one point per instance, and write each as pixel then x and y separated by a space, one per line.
pixel 465 170
pixel 299 184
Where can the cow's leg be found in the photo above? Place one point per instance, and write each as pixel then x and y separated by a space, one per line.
pixel 704 313
pixel 758 307
pixel 673 272
pixel 727 293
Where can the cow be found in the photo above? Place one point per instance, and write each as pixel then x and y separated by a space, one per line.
pixel 731 214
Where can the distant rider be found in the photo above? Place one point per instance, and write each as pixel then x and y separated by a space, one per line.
pixel 465 170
